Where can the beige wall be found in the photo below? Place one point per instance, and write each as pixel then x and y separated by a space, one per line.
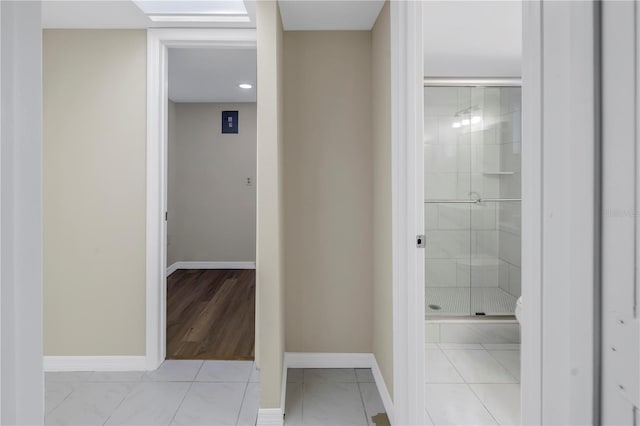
pixel 94 191
pixel 382 200
pixel 212 210
pixel 328 191
pixel 270 244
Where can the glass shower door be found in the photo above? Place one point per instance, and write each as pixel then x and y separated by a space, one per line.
pixel 447 203
pixel 495 183
pixel 472 207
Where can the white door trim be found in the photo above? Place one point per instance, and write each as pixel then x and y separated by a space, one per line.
pixel 407 211
pixel 210 265
pixel 531 332
pixel 158 41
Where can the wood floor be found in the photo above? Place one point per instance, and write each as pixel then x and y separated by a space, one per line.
pixel 211 314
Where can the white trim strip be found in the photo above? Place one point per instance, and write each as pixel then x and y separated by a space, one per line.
pixel 340 360
pixel 94 363
pixel 270 417
pixel 210 265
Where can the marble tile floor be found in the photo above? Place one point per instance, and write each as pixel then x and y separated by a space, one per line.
pixel 466 384
pixel 333 397
pixel 472 384
pixel 221 393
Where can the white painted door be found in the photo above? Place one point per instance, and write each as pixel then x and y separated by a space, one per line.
pixel 620 334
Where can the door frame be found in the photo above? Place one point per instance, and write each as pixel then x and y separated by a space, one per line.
pixel 407 186
pixel 408 213
pixel 158 43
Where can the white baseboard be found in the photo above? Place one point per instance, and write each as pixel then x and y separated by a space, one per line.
pixel 383 390
pixel 270 417
pixel 339 360
pixel 94 363
pixel 327 360
pixel 210 265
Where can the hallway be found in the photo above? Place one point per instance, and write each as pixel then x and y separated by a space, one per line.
pixel 211 314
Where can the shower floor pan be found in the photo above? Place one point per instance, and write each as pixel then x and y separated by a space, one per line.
pixel 463 301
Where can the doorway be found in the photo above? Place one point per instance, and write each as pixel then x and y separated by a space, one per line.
pixel 472 202
pixel 211 203
pixel 201 204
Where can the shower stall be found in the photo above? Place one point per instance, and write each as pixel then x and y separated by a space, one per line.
pixel 472 150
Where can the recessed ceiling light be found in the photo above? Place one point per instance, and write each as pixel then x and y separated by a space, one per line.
pixel 245 85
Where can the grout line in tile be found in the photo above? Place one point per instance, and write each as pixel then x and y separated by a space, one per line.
pixel 120 403
pixel 483 404
pixel 366 416
pixel 63 400
pixel 453 365
pixel 181 402
pixel 504 367
pixel 244 395
pixel 302 401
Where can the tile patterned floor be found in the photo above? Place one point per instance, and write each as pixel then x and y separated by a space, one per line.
pixel 466 384
pixel 338 397
pixel 473 384
pixel 222 393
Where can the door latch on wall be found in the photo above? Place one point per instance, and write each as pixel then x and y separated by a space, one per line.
pixel 420 241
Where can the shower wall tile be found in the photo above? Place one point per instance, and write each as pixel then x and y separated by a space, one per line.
pixel 463 186
pixel 430 161
pixel 484 216
pixel 487 136
pixel 440 185
pixel 509 217
pixel 503 276
pixel 463 273
pixel 430 130
pixel 491 155
pixel 484 243
pixel 510 247
pixel 431 216
pixel 454 216
pixel 491 105
pixel 484 275
pixel 510 100
pixel 510 128
pixel 515 278
pixel 447 244
pixel 446 133
pixel 464 155
pixel 510 157
pixel 447 157
pixel 511 186
pixel 490 186
pixel 440 272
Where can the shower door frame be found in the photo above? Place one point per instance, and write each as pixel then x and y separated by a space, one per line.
pixel 471 83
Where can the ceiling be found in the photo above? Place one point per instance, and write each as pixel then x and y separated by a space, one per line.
pixel 296 14
pixel 124 14
pixel 329 14
pixel 211 75
pixel 472 38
